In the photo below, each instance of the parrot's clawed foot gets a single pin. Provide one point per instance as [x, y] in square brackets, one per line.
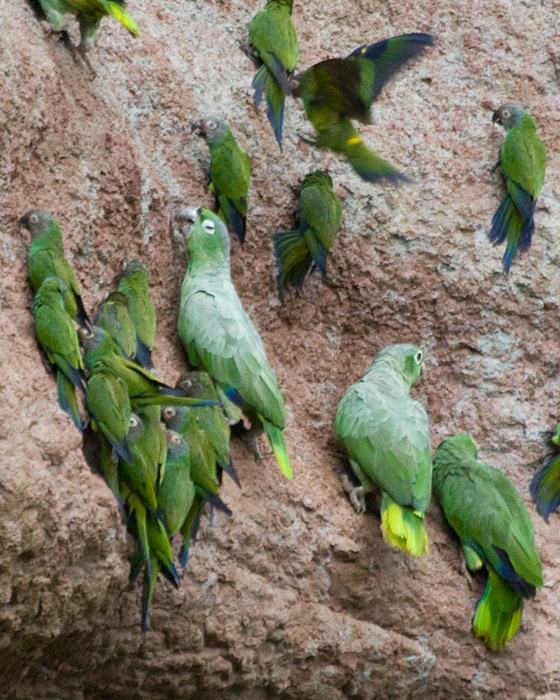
[56, 34]
[252, 443]
[356, 494]
[82, 52]
[463, 570]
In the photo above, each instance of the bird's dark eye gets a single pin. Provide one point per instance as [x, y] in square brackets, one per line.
[168, 412]
[133, 422]
[211, 124]
[418, 357]
[209, 226]
[506, 114]
[176, 440]
[34, 219]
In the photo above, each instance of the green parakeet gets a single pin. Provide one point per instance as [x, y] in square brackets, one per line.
[386, 435]
[230, 173]
[320, 214]
[108, 404]
[489, 516]
[219, 336]
[114, 317]
[545, 485]
[523, 162]
[46, 259]
[275, 42]
[58, 338]
[134, 283]
[340, 89]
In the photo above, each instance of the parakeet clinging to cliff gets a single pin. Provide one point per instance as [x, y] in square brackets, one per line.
[275, 42]
[320, 214]
[114, 317]
[58, 338]
[230, 173]
[523, 162]
[545, 485]
[386, 435]
[220, 337]
[340, 89]
[134, 284]
[46, 259]
[108, 404]
[489, 516]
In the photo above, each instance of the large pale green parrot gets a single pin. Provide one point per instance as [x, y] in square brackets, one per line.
[523, 162]
[230, 173]
[338, 90]
[386, 435]
[219, 336]
[275, 43]
[489, 516]
[134, 284]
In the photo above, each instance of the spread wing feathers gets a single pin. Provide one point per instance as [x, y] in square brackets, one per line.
[220, 336]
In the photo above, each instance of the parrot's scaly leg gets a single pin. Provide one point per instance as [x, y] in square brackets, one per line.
[81, 51]
[357, 494]
[248, 51]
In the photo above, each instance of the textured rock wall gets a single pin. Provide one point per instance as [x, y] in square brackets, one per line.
[296, 596]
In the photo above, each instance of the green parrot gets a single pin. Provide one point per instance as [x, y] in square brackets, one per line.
[340, 89]
[545, 485]
[114, 317]
[58, 338]
[320, 214]
[489, 516]
[108, 404]
[133, 283]
[220, 337]
[230, 173]
[46, 259]
[275, 43]
[523, 162]
[386, 435]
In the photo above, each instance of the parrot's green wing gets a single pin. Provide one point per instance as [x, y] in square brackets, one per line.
[230, 171]
[109, 405]
[523, 157]
[57, 335]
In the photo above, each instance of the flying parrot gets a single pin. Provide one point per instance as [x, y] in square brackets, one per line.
[114, 317]
[219, 336]
[489, 516]
[275, 43]
[58, 338]
[133, 283]
[545, 485]
[46, 259]
[230, 173]
[522, 162]
[320, 214]
[338, 90]
[387, 438]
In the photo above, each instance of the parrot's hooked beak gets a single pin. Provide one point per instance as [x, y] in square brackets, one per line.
[497, 117]
[199, 127]
[190, 213]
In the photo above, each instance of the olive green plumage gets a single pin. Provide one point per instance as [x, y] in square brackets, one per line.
[338, 90]
[320, 214]
[114, 317]
[386, 435]
[490, 518]
[108, 404]
[134, 284]
[523, 164]
[230, 173]
[46, 259]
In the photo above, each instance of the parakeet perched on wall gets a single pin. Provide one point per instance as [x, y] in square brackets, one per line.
[114, 317]
[523, 162]
[489, 516]
[219, 336]
[320, 214]
[108, 404]
[340, 89]
[386, 435]
[275, 42]
[58, 338]
[46, 259]
[134, 284]
[545, 485]
[230, 173]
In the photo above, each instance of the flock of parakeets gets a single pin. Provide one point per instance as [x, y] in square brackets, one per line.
[163, 449]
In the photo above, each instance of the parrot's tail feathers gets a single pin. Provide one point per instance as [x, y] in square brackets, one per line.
[391, 54]
[509, 574]
[143, 355]
[121, 15]
[148, 591]
[499, 612]
[189, 530]
[67, 399]
[275, 99]
[233, 217]
[259, 84]
[136, 561]
[231, 472]
[293, 259]
[508, 223]
[217, 503]
[369, 166]
[139, 512]
[318, 251]
[403, 528]
[121, 448]
[276, 438]
[82, 317]
[545, 488]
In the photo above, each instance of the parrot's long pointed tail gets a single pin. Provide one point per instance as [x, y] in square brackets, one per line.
[189, 529]
[148, 592]
[366, 163]
[403, 528]
[265, 83]
[117, 11]
[293, 259]
[232, 217]
[67, 399]
[143, 355]
[276, 438]
[508, 222]
[545, 488]
[499, 612]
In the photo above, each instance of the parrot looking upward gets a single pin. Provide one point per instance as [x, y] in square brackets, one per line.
[230, 173]
[545, 485]
[340, 89]
[320, 214]
[386, 435]
[133, 283]
[219, 336]
[490, 518]
[46, 259]
[275, 42]
[522, 162]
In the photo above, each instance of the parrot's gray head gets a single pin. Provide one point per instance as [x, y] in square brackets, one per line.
[92, 337]
[131, 267]
[455, 450]
[508, 116]
[406, 360]
[135, 427]
[211, 129]
[192, 383]
[37, 222]
[173, 416]
[176, 444]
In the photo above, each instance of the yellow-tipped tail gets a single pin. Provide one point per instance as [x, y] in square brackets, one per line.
[403, 528]
[276, 438]
[499, 612]
[122, 16]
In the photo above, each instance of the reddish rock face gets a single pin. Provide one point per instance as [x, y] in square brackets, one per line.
[295, 596]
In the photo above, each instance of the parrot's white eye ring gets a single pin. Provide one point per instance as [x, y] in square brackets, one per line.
[211, 124]
[505, 114]
[176, 439]
[169, 412]
[34, 219]
[418, 357]
[209, 226]
[134, 422]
